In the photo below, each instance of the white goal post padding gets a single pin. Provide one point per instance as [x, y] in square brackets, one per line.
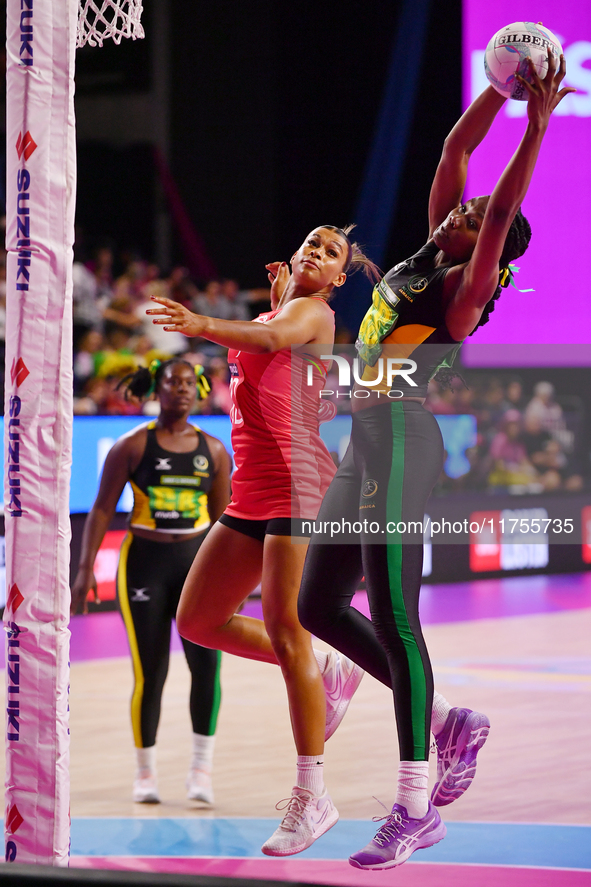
[41, 180]
[42, 36]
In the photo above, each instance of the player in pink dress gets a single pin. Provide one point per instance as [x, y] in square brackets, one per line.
[282, 472]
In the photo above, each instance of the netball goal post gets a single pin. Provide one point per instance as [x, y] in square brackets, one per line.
[42, 36]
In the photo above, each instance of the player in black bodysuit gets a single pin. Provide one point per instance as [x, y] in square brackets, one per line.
[180, 481]
[421, 310]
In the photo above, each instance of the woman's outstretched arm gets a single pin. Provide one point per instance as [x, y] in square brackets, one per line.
[450, 177]
[301, 321]
[479, 278]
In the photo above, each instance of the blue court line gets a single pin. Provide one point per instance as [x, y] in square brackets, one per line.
[484, 843]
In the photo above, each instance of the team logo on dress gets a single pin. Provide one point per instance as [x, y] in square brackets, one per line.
[417, 283]
[369, 489]
[162, 464]
[201, 463]
[139, 594]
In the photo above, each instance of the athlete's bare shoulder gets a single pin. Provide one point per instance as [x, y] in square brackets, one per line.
[217, 450]
[131, 445]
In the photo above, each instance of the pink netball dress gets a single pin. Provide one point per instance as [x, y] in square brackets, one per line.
[283, 468]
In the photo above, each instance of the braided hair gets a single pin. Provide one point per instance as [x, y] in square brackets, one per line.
[516, 243]
[146, 380]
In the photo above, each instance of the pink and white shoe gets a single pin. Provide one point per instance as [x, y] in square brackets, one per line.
[199, 787]
[306, 819]
[341, 677]
[145, 788]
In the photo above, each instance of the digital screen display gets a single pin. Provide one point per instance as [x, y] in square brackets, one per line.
[93, 437]
[556, 265]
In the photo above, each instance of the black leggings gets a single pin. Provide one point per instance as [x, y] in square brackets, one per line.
[394, 458]
[150, 579]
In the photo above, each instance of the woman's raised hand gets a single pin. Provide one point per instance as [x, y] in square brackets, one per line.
[279, 278]
[177, 318]
[544, 94]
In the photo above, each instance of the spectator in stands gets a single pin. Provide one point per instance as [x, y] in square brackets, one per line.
[87, 314]
[85, 359]
[219, 401]
[182, 289]
[127, 296]
[547, 455]
[212, 302]
[544, 407]
[514, 396]
[101, 397]
[508, 454]
[101, 265]
[441, 400]
[237, 300]
[166, 344]
[491, 407]
[116, 358]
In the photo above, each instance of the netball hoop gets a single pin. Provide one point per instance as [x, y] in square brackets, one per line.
[113, 19]
[40, 201]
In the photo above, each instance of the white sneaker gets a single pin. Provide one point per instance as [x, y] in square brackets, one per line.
[199, 786]
[145, 789]
[307, 818]
[341, 677]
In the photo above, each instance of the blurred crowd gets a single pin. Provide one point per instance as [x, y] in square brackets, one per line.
[113, 336]
[522, 439]
[527, 441]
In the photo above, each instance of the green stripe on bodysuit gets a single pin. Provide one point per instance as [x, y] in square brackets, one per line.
[217, 696]
[418, 686]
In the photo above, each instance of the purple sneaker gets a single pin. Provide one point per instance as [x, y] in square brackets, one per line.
[398, 838]
[457, 745]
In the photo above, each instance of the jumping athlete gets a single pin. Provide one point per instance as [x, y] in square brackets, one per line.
[424, 307]
[282, 472]
[180, 480]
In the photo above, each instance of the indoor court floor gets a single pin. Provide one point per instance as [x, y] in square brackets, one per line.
[518, 649]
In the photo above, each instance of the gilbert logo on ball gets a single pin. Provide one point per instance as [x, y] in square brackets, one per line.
[507, 54]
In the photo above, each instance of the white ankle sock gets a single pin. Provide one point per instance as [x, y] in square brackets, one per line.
[439, 713]
[146, 761]
[413, 778]
[202, 755]
[310, 773]
[321, 659]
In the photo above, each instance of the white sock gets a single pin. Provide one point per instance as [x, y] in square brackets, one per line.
[413, 778]
[310, 773]
[321, 659]
[146, 761]
[439, 713]
[202, 756]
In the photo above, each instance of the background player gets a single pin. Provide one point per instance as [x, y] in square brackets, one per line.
[180, 481]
